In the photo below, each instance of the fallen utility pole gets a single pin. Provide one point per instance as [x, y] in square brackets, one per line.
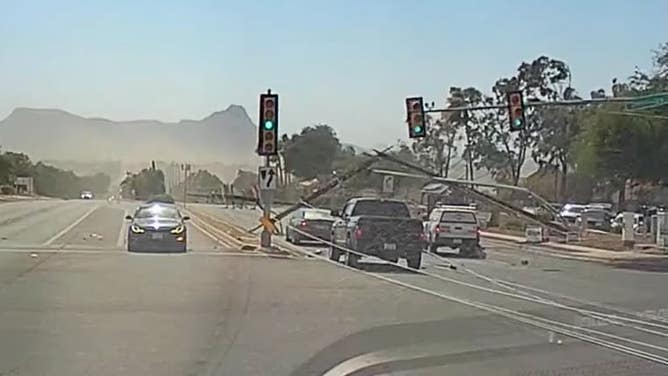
[464, 188]
[575, 102]
[333, 183]
[544, 203]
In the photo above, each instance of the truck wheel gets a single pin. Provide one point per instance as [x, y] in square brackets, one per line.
[414, 260]
[353, 260]
[287, 236]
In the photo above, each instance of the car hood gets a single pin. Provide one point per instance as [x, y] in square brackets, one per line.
[157, 223]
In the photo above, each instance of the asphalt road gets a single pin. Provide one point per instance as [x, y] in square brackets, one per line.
[73, 302]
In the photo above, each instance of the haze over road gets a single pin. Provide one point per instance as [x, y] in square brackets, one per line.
[74, 302]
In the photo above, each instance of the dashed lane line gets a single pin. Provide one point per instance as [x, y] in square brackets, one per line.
[70, 226]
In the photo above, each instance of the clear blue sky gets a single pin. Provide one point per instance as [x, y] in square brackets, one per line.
[348, 63]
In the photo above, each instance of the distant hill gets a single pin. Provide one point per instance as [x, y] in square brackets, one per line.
[227, 136]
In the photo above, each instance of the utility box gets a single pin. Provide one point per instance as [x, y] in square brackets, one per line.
[661, 228]
[627, 229]
[534, 234]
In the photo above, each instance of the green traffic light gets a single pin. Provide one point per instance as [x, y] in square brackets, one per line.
[417, 129]
[268, 125]
[518, 123]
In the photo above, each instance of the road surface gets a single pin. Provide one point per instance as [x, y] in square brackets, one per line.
[73, 302]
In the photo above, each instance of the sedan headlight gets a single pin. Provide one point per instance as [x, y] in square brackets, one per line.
[136, 229]
[178, 229]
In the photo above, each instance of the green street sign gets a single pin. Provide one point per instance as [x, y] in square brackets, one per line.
[648, 101]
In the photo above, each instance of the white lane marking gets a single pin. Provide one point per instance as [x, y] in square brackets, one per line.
[71, 226]
[404, 353]
[533, 320]
[122, 234]
[121, 252]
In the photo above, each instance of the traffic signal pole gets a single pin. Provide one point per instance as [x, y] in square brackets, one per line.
[267, 147]
[267, 198]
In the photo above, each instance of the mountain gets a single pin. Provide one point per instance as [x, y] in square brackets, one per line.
[227, 136]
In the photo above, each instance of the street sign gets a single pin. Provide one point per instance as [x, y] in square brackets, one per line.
[268, 225]
[648, 101]
[388, 184]
[266, 177]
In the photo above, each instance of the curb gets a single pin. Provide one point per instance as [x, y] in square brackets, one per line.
[550, 250]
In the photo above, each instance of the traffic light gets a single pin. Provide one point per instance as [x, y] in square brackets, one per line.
[268, 127]
[516, 110]
[417, 127]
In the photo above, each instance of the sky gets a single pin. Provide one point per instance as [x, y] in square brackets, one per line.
[346, 63]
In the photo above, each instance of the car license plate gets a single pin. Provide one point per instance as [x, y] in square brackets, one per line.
[457, 241]
[156, 236]
[390, 247]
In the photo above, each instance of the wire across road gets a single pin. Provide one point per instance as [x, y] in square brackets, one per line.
[640, 336]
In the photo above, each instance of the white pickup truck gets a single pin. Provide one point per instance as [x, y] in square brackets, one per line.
[455, 228]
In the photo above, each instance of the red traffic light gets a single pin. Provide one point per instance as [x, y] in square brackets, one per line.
[515, 110]
[415, 117]
[269, 102]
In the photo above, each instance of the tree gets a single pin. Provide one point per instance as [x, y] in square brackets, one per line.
[201, 181]
[500, 151]
[503, 152]
[311, 152]
[147, 183]
[616, 149]
[469, 122]
[437, 149]
[558, 128]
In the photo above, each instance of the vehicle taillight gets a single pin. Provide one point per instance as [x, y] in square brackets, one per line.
[440, 228]
[358, 233]
[437, 229]
[303, 224]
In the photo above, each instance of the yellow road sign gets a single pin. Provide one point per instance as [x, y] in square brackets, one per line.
[269, 224]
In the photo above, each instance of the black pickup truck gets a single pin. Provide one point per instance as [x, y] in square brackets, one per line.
[377, 227]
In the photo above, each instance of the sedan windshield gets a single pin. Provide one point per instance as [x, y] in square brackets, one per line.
[157, 211]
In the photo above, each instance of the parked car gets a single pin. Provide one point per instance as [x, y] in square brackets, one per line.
[617, 223]
[596, 218]
[571, 212]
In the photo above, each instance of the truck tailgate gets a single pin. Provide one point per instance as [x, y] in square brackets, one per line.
[381, 230]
